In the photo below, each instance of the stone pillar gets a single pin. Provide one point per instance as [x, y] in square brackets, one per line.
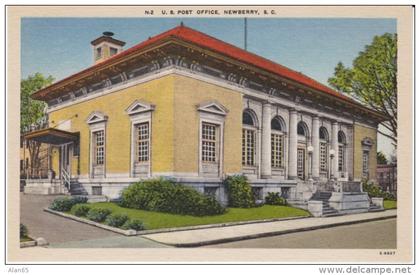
[292, 144]
[266, 142]
[315, 144]
[334, 146]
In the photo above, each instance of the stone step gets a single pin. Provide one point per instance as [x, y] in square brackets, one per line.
[332, 214]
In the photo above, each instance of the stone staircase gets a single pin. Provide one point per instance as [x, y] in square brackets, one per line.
[324, 196]
[76, 189]
[375, 208]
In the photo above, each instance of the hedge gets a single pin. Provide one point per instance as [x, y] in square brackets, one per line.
[64, 204]
[163, 195]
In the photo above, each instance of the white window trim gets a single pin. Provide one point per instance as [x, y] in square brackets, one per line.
[140, 112]
[220, 124]
[208, 114]
[97, 122]
[256, 144]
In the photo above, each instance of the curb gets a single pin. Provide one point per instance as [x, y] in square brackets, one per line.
[273, 233]
[28, 244]
[86, 221]
[165, 230]
[34, 242]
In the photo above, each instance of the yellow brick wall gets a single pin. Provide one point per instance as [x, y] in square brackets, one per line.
[188, 94]
[158, 92]
[361, 132]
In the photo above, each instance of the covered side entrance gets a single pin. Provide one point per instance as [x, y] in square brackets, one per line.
[57, 179]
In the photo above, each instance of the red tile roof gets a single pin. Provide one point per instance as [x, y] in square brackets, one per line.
[203, 40]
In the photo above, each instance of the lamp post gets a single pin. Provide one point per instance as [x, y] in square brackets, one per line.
[332, 153]
[310, 151]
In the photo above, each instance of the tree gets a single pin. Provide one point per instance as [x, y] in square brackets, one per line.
[373, 80]
[32, 111]
[381, 158]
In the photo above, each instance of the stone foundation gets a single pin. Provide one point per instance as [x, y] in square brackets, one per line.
[44, 187]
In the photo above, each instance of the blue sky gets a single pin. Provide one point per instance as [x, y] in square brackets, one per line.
[61, 46]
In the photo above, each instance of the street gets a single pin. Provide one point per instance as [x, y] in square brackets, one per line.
[369, 235]
[65, 233]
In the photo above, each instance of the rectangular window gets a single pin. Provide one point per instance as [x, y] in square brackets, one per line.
[277, 147]
[113, 51]
[210, 191]
[208, 142]
[248, 147]
[142, 142]
[340, 158]
[323, 157]
[98, 53]
[99, 139]
[365, 163]
[97, 190]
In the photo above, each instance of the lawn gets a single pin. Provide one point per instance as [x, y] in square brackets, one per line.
[156, 220]
[390, 204]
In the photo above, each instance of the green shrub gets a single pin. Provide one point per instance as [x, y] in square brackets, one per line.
[134, 224]
[64, 204]
[116, 220]
[23, 231]
[239, 192]
[274, 198]
[374, 190]
[80, 210]
[163, 195]
[79, 199]
[98, 214]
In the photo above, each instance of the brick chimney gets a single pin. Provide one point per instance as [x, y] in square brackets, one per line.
[106, 46]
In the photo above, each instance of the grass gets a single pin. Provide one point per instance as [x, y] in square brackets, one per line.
[156, 220]
[388, 204]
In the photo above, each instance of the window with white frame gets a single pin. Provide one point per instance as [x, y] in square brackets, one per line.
[209, 142]
[248, 139]
[99, 147]
[142, 142]
[212, 115]
[248, 147]
[277, 149]
[140, 114]
[277, 144]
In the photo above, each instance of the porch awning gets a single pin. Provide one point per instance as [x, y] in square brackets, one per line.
[52, 136]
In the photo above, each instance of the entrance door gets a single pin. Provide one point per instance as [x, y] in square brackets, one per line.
[301, 163]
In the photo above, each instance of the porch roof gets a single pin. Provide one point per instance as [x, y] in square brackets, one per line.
[52, 136]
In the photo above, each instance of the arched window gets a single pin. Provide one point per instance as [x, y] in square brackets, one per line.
[301, 129]
[323, 149]
[249, 126]
[341, 151]
[247, 118]
[277, 142]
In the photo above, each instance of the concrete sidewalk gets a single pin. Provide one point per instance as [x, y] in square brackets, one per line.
[200, 237]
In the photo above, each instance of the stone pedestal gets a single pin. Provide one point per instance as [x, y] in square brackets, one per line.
[348, 202]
